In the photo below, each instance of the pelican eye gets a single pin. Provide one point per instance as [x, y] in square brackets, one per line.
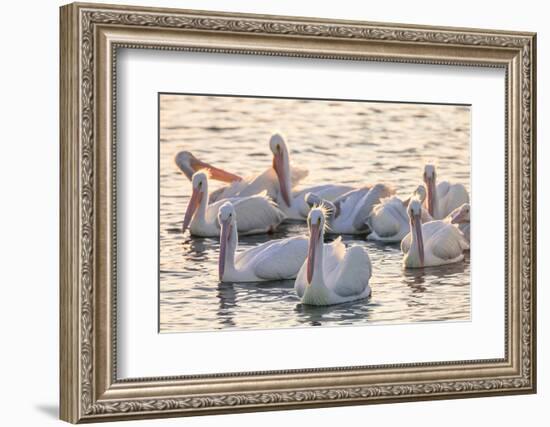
[278, 147]
[318, 220]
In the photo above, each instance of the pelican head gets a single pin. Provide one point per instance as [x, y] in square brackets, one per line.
[200, 181]
[312, 200]
[461, 215]
[415, 209]
[277, 143]
[429, 180]
[329, 208]
[226, 213]
[189, 164]
[228, 220]
[200, 190]
[281, 165]
[420, 193]
[429, 172]
[316, 223]
[415, 212]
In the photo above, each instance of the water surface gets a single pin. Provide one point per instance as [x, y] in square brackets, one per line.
[338, 141]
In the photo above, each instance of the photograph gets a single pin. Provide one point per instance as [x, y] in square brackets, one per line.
[270, 210]
[298, 212]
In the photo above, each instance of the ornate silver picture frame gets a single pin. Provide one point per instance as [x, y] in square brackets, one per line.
[91, 34]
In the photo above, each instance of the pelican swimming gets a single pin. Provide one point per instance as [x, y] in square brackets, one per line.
[257, 214]
[331, 273]
[277, 180]
[293, 203]
[443, 197]
[280, 180]
[274, 260]
[389, 221]
[348, 213]
[299, 208]
[461, 218]
[432, 243]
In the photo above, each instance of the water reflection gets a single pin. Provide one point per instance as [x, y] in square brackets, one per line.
[416, 277]
[381, 142]
[227, 304]
[346, 313]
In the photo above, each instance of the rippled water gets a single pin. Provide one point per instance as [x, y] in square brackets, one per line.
[345, 142]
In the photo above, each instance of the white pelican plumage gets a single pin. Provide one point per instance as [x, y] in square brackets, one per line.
[258, 214]
[348, 214]
[461, 218]
[277, 180]
[433, 243]
[389, 221]
[274, 260]
[292, 203]
[443, 197]
[331, 274]
[299, 208]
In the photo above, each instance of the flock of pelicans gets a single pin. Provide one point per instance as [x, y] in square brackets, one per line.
[433, 225]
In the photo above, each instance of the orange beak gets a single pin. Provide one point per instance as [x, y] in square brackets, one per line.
[214, 172]
[278, 165]
[430, 186]
[314, 235]
[194, 202]
[224, 240]
[417, 225]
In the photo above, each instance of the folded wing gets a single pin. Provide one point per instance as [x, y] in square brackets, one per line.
[281, 260]
[255, 212]
[354, 273]
[445, 241]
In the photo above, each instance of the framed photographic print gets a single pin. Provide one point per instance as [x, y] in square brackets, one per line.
[265, 212]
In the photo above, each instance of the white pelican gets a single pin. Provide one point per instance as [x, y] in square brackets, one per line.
[276, 180]
[444, 197]
[281, 178]
[299, 208]
[433, 243]
[331, 274]
[273, 260]
[389, 221]
[348, 213]
[461, 218]
[258, 214]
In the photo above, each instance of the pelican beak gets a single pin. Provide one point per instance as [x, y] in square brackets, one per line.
[417, 224]
[314, 235]
[194, 202]
[224, 240]
[278, 165]
[458, 217]
[430, 186]
[214, 172]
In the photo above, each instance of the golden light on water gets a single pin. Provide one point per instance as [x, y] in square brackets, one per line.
[341, 142]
